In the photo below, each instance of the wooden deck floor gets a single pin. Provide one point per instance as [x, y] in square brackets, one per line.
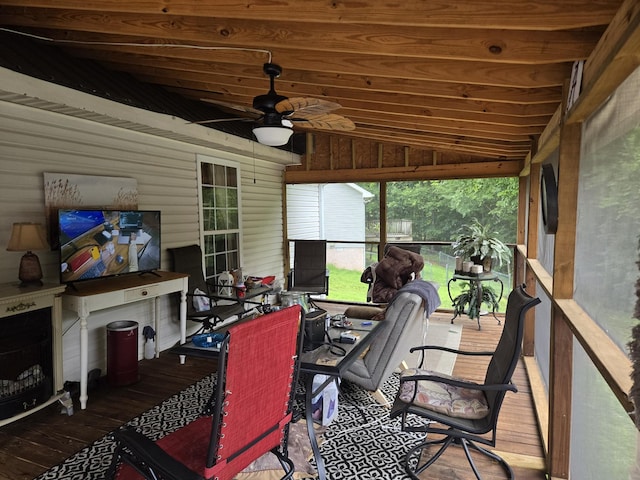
[32, 445]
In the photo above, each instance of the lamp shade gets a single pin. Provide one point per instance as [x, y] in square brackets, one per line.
[27, 237]
[273, 136]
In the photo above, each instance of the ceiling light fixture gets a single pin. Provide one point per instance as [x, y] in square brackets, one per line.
[273, 136]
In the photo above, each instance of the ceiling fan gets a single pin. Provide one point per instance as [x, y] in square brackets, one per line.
[276, 114]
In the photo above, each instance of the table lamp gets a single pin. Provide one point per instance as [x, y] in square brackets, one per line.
[28, 236]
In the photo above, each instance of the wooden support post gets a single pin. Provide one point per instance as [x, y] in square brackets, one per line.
[383, 219]
[560, 365]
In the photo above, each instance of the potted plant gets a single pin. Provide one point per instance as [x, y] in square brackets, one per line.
[467, 302]
[481, 245]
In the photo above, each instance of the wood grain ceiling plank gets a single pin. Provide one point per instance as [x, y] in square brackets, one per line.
[438, 126]
[503, 75]
[301, 81]
[481, 129]
[481, 44]
[507, 14]
[249, 88]
[487, 145]
[243, 64]
[438, 146]
[438, 142]
[417, 109]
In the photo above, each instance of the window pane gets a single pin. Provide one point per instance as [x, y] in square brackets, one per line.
[221, 263]
[221, 249]
[221, 220]
[603, 437]
[208, 217]
[233, 219]
[608, 222]
[209, 265]
[220, 176]
[208, 243]
[220, 245]
[232, 198]
[221, 197]
[207, 197]
[206, 171]
[232, 241]
[232, 176]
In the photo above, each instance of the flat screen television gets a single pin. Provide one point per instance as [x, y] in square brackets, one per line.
[104, 243]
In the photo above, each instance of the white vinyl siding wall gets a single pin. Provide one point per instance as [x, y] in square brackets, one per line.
[34, 141]
[303, 212]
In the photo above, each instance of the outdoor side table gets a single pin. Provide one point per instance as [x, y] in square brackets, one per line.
[476, 283]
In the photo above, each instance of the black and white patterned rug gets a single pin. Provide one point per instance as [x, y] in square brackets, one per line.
[361, 443]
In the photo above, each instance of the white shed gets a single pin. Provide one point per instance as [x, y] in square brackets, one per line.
[332, 211]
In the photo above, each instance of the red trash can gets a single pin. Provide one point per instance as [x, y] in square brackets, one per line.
[122, 353]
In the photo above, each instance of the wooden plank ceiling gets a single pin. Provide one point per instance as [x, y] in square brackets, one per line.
[468, 78]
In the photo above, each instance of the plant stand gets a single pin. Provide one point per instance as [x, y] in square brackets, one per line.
[473, 298]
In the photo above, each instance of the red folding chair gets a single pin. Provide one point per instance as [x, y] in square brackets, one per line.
[252, 409]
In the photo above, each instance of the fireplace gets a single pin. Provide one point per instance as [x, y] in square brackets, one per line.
[26, 361]
[30, 349]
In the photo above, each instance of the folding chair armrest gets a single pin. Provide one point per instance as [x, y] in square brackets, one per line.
[446, 349]
[146, 450]
[460, 383]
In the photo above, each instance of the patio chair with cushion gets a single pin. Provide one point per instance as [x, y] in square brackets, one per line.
[460, 410]
[249, 412]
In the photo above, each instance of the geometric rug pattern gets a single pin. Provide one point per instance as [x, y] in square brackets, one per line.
[92, 462]
[361, 443]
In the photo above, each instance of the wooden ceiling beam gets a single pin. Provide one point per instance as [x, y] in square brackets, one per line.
[245, 89]
[487, 45]
[437, 128]
[436, 143]
[502, 75]
[410, 111]
[247, 65]
[397, 174]
[535, 100]
[502, 14]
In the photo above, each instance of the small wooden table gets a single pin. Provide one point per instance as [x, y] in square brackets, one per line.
[87, 297]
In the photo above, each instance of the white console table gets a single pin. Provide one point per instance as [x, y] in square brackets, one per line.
[87, 297]
[16, 300]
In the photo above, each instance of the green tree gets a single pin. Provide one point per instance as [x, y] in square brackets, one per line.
[437, 208]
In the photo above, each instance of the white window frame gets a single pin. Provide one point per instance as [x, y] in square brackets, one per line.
[204, 234]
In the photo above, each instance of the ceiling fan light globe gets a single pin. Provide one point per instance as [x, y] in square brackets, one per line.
[273, 136]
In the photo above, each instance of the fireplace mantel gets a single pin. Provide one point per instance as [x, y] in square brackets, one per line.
[15, 300]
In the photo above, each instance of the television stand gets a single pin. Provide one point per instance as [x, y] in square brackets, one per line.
[87, 297]
[150, 272]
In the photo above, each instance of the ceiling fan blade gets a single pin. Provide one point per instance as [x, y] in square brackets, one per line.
[219, 120]
[234, 106]
[306, 106]
[328, 121]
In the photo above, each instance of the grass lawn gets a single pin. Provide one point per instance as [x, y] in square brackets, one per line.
[345, 285]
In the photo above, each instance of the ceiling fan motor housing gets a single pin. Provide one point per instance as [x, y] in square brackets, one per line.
[267, 103]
